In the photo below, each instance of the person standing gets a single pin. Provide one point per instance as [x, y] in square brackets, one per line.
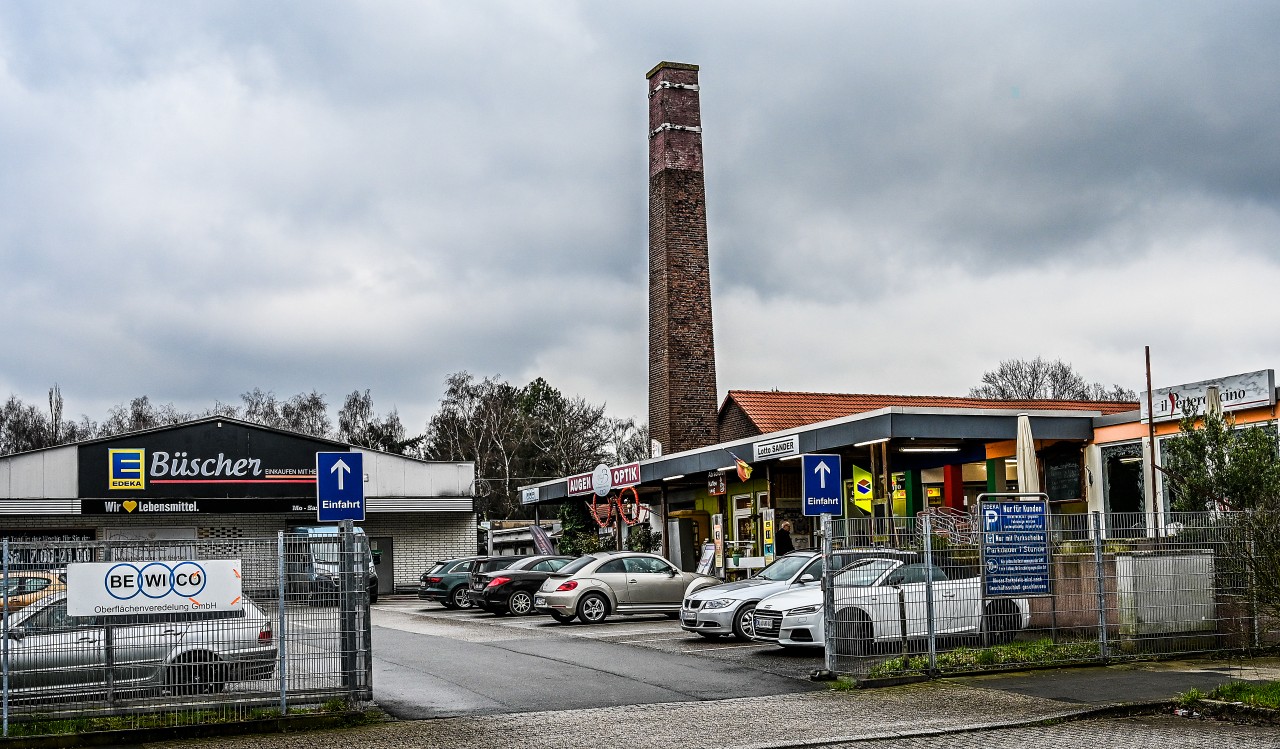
[782, 541]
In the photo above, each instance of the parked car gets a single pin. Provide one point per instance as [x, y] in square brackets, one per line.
[52, 653]
[875, 598]
[313, 559]
[625, 582]
[25, 588]
[484, 565]
[510, 590]
[729, 608]
[447, 581]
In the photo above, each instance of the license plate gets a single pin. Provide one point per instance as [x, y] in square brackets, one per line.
[764, 625]
[539, 601]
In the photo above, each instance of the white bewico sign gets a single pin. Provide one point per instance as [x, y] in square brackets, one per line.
[1237, 393]
[154, 587]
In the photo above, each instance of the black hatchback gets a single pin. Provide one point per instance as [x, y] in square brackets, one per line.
[509, 589]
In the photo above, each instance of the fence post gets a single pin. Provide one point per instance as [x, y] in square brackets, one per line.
[366, 621]
[928, 595]
[282, 666]
[347, 609]
[828, 594]
[4, 642]
[1100, 574]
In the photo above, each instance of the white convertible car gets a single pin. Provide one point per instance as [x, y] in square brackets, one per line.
[876, 598]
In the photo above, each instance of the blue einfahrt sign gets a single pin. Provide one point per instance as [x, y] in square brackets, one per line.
[339, 487]
[1015, 549]
[821, 485]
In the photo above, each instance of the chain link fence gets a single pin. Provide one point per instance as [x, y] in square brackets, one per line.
[1116, 589]
[299, 634]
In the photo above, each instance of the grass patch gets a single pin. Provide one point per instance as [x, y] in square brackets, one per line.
[146, 721]
[1252, 693]
[1035, 653]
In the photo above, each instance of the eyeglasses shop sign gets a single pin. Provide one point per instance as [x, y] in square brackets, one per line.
[154, 587]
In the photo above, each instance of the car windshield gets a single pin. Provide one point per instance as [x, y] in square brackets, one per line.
[576, 565]
[784, 568]
[863, 573]
[326, 552]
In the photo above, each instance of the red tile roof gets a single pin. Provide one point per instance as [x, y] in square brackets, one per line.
[772, 410]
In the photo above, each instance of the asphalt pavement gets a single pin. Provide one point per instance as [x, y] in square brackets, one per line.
[1060, 707]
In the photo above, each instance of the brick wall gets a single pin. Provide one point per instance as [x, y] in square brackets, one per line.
[734, 423]
[682, 372]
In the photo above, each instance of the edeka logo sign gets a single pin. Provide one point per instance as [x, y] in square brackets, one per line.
[124, 469]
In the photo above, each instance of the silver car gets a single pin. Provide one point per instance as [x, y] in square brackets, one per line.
[52, 653]
[626, 582]
[728, 608]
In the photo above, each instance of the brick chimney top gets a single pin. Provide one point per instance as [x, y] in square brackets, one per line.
[671, 66]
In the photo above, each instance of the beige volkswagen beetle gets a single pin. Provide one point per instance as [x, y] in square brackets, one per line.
[594, 586]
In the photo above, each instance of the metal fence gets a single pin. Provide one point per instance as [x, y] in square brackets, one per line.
[299, 636]
[1116, 590]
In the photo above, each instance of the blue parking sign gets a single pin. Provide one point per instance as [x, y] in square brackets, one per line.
[821, 485]
[339, 487]
[1015, 548]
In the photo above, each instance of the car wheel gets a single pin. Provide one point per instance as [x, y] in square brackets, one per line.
[1000, 623]
[194, 676]
[851, 633]
[459, 597]
[562, 618]
[520, 603]
[593, 608]
[744, 624]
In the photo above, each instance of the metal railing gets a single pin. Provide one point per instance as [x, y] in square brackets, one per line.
[299, 635]
[1116, 590]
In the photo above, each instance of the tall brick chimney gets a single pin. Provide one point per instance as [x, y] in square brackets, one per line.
[682, 354]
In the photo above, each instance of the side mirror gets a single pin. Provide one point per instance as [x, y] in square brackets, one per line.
[671, 572]
[377, 557]
[17, 632]
[806, 578]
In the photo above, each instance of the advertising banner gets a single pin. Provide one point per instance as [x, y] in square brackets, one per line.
[153, 587]
[207, 460]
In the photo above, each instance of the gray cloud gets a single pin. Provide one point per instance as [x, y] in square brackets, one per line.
[202, 199]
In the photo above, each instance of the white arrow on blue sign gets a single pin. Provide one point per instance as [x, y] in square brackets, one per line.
[339, 487]
[821, 485]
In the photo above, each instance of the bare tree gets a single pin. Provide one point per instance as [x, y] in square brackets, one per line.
[1038, 378]
[140, 413]
[358, 424]
[306, 413]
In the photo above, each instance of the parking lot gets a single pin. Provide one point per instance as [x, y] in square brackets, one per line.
[434, 662]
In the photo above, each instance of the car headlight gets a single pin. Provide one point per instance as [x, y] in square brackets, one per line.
[805, 610]
[718, 603]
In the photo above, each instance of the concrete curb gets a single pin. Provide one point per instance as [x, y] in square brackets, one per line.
[1088, 713]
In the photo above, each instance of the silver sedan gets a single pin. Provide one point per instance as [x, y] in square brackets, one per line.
[54, 653]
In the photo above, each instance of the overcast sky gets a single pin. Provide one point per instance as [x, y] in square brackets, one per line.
[197, 199]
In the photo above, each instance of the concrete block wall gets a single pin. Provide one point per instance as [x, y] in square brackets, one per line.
[418, 537]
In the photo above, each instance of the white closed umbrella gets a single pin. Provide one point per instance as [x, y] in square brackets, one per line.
[1213, 401]
[1028, 473]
